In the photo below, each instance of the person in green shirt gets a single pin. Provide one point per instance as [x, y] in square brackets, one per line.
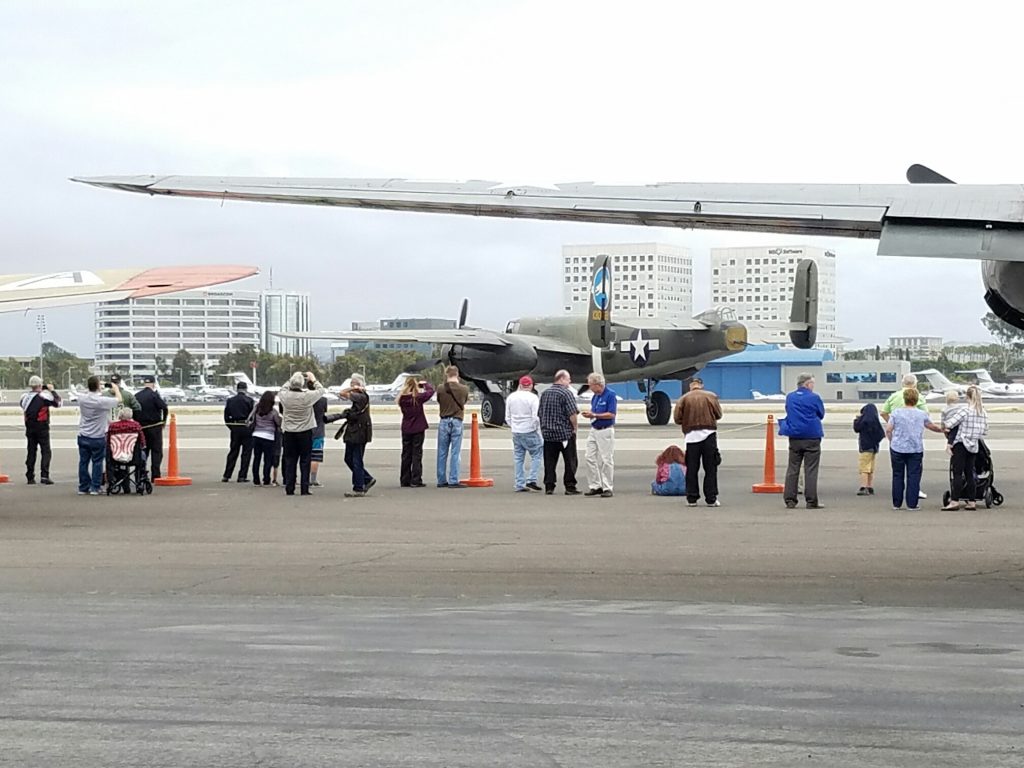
[895, 400]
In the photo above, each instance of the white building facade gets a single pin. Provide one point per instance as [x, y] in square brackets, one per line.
[758, 283]
[648, 279]
[132, 333]
[920, 347]
[284, 312]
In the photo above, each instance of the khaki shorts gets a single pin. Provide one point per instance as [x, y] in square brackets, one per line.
[866, 462]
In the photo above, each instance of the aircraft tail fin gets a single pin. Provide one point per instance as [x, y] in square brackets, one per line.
[238, 376]
[981, 374]
[599, 307]
[805, 305]
[937, 379]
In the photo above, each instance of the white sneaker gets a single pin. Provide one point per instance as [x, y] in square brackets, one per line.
[922, 495]
[715, 503]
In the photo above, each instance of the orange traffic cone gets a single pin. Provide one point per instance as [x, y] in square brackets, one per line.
[171, 478]
[476, 479]
[769, 485]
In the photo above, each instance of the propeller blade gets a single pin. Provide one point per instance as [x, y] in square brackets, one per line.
[464, 313]
[422, 365]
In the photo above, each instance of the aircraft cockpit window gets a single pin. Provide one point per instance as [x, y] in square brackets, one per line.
[512, 327]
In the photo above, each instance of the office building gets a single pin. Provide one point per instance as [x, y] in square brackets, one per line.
[648, 279]
[919, 347]
[399, 323]
[758, 284]
[132, 333]
[284, 312]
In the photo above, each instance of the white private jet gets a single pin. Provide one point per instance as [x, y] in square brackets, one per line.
[377, 391]
[759, 396]
[989, 386]
[939, 383]
[208, 393]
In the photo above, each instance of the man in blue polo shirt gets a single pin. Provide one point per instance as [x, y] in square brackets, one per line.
[802, 425]
[601, 440]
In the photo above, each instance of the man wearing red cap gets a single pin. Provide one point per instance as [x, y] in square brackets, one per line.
[521, 409]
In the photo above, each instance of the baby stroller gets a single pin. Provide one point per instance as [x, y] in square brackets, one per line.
[984, 479]
[126, 466]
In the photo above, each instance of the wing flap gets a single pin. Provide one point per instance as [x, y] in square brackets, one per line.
[471, 336]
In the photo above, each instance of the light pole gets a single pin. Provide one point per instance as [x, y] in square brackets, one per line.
[41, 327]
[181, 377]
[68, 374]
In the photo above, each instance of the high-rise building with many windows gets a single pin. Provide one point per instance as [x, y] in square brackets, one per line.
[132, 333]
[648, 279]
[758, 284]
[284, 312]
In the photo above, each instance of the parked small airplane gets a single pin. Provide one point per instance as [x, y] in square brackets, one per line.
[207, 392]
[253, 389]
[939, 383]
[635, 349]
[990, 387]
[931, 217]
[758, 396]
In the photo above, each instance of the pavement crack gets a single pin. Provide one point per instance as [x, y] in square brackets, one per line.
[1016, 569]
[361, 561]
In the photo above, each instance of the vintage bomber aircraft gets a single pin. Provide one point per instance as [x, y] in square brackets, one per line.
[637, 349]
[932, 217]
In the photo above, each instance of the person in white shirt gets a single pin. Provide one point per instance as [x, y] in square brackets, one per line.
[521, 410]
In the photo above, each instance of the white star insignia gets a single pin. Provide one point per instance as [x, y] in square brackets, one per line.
[640, 348]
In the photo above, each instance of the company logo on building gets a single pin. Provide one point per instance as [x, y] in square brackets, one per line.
[785, 251]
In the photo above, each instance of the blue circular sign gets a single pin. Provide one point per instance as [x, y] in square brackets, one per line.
[601, 279]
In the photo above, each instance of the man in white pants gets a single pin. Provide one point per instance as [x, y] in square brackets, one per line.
[601, 440]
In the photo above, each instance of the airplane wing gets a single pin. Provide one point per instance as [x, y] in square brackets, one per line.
[908, 219]
[474, 336]
[60, 289]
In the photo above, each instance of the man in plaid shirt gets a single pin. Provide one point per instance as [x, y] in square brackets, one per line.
[558, 414]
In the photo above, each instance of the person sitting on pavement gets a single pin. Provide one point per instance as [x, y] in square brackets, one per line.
[869, 436]
[35, 406]
[805, 411]
[670, 476]
[522, 408]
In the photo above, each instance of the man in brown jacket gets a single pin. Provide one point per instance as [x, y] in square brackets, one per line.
[698, 412]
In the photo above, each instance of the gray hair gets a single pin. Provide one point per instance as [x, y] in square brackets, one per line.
[952, 396]
[297, 381]
[595, 378]
[358, 380]
[909, 380]
[803, 378]
[562, 374]
[35, 381]
[125, 413]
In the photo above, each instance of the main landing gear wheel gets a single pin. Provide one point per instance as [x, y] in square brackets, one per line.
[492, 410]
[659, 409]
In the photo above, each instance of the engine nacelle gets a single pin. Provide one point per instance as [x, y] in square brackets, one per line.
[503, 364]
[1004, 290]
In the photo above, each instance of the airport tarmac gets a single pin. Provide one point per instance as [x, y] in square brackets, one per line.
[226, 624]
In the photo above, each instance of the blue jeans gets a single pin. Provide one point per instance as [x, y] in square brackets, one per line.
[523, 443]
[910, 465]
[449, 439]
[90, 449]
[354, 454]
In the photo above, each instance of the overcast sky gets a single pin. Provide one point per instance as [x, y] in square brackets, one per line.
[537, 92]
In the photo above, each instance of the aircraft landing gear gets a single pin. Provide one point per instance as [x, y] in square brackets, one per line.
[492, 410]
[659, 405]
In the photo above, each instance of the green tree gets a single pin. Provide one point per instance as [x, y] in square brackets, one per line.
[60, 367]
[183, 367]
[1010, 339]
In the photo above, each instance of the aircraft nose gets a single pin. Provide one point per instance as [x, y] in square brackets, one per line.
[736, 338]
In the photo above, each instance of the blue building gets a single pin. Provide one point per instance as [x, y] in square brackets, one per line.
[763, 368]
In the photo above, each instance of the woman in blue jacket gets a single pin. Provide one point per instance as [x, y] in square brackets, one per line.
[869, 436]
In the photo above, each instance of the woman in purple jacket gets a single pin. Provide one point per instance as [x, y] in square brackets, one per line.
[414, 426]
